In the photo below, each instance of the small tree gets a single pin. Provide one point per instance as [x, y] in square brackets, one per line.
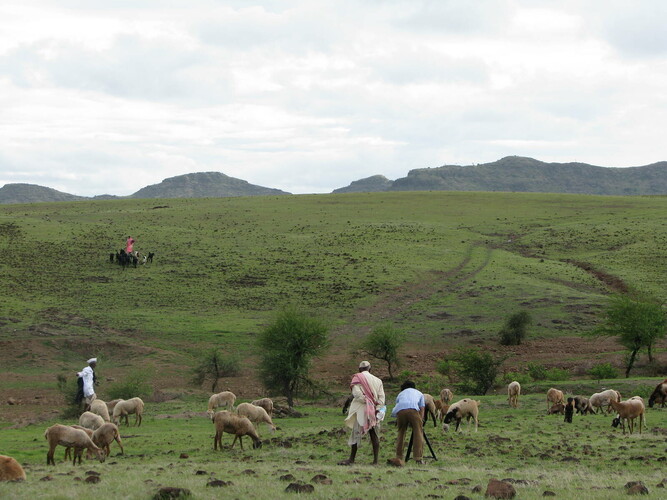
[477, 369]
[515, 328]
[213, 366]
[287, 346]
[637, 324]
[383, 343]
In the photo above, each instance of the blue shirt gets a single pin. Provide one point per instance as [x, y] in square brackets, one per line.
[409, 399]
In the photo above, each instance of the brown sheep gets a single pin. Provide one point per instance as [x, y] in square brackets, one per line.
[554, 397]
[105, 435]
[225, 421]
[65, 435]
[10, 469]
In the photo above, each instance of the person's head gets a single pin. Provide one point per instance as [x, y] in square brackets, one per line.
[408, 384]
[92, 362]
[364, 366]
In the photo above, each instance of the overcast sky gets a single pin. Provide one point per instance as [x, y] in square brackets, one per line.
[307, 96]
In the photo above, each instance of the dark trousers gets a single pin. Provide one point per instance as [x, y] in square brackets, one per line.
[410, 418]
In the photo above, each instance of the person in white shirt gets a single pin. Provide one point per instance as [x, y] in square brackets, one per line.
[88, 377]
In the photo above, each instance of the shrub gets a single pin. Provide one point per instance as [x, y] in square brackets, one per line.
[515, 328]
[407, 375]
[522, 378]
[603, 371]
[537, 372]
[557, 374]
[383, 343]
[448, 368]
[134, 385]
[68, 388]
[477, 369]
[214, 365]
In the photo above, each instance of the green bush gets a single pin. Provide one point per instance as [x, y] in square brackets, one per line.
[383, 343]
[214, 365]
[68, 388]
[603, 371]
[557, 374]
[448, 368]
[537, 372]
[477, 370]
[522, 378]
[515, 328]
[407, 375]
[134, 385]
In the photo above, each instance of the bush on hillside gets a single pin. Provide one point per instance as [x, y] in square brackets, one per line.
[515, 329]
[68, 388]
[522, 378]
[557, 374]
[478, 370]
[213, 366]
[603, 371]
[134, 385]
[383, 343]
[537, 371]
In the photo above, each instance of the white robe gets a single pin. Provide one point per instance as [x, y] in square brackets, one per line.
[87, 375]
[357, 411]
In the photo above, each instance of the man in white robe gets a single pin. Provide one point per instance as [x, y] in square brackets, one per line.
[364, 414]
[88, 376]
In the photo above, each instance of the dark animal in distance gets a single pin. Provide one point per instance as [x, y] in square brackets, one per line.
[659, 395]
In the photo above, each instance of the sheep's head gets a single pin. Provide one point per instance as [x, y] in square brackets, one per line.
[256, 444]
[616, 422]
[101, 455]
[452, 415]
[651, 401]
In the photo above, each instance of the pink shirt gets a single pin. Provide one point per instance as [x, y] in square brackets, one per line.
[130, 243]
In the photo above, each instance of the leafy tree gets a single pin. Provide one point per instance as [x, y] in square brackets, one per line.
[213, 366]
[515, 328]
[383, 343]
[637, 324]
[477, 369]
[286, 347]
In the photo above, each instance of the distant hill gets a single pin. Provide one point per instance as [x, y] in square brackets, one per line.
[516, 173]
[368, 185]
[32, 193]
[196, 185]
[203, 185]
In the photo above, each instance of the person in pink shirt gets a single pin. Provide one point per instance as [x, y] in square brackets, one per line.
[130, 244]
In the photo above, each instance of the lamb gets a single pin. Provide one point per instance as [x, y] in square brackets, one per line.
[265, 403]
[446, 395]
[629, 410]
[226, 421]
[255, 414]
[659, 395]
[10, 469]
[225, 399]
[100, 408]
[67, 436]
[90, 420]
[554, 397]
[558, 408]
[128, 407]
[604, 398]
[464, 408]
[105, 435]
[513, 393]
[582, 405]
[430, 408]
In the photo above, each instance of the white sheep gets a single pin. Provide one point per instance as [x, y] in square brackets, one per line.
[65, 435]
[224, 399]
[604, 398]
[464, 408]
[100, 408]
[90, 420]
[266, 403]
[446, 395]
[513, 393]
[128, 407]
[105, 435]
[225, 421]
[112, 404]
[628, 411]
[554, 397]
[68, 449]
[10, 469]
[256, 414]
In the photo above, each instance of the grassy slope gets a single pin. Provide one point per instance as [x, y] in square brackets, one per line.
[446, 267]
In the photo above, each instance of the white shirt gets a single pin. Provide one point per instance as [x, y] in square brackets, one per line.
[87, 375]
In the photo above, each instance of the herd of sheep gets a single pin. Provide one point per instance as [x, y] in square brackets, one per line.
[98, 427]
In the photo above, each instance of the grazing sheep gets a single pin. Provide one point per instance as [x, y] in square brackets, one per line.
[446, 395]
[266, 403]
[554, 397]
[68, 449]
[628, 411]
[430, 408]
[10, 469]
[106, 435]
[659, 395]
[100, 408]
[582, 405]
[559, 408]
[65, 435]
[111, 405]
[464, 408]
[440, 410]
[225, 421]
[604, 398]
[128, 407]
[513, 393]
[255, 414]
[90, 420]
[225, 399]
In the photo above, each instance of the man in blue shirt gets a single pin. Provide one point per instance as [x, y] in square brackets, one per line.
[409, 412]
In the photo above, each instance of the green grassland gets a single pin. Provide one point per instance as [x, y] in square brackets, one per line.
[586, 459]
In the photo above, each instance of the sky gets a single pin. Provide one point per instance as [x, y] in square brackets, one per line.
[106, 97]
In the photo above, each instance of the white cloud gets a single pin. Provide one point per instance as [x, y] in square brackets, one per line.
[310, 95]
